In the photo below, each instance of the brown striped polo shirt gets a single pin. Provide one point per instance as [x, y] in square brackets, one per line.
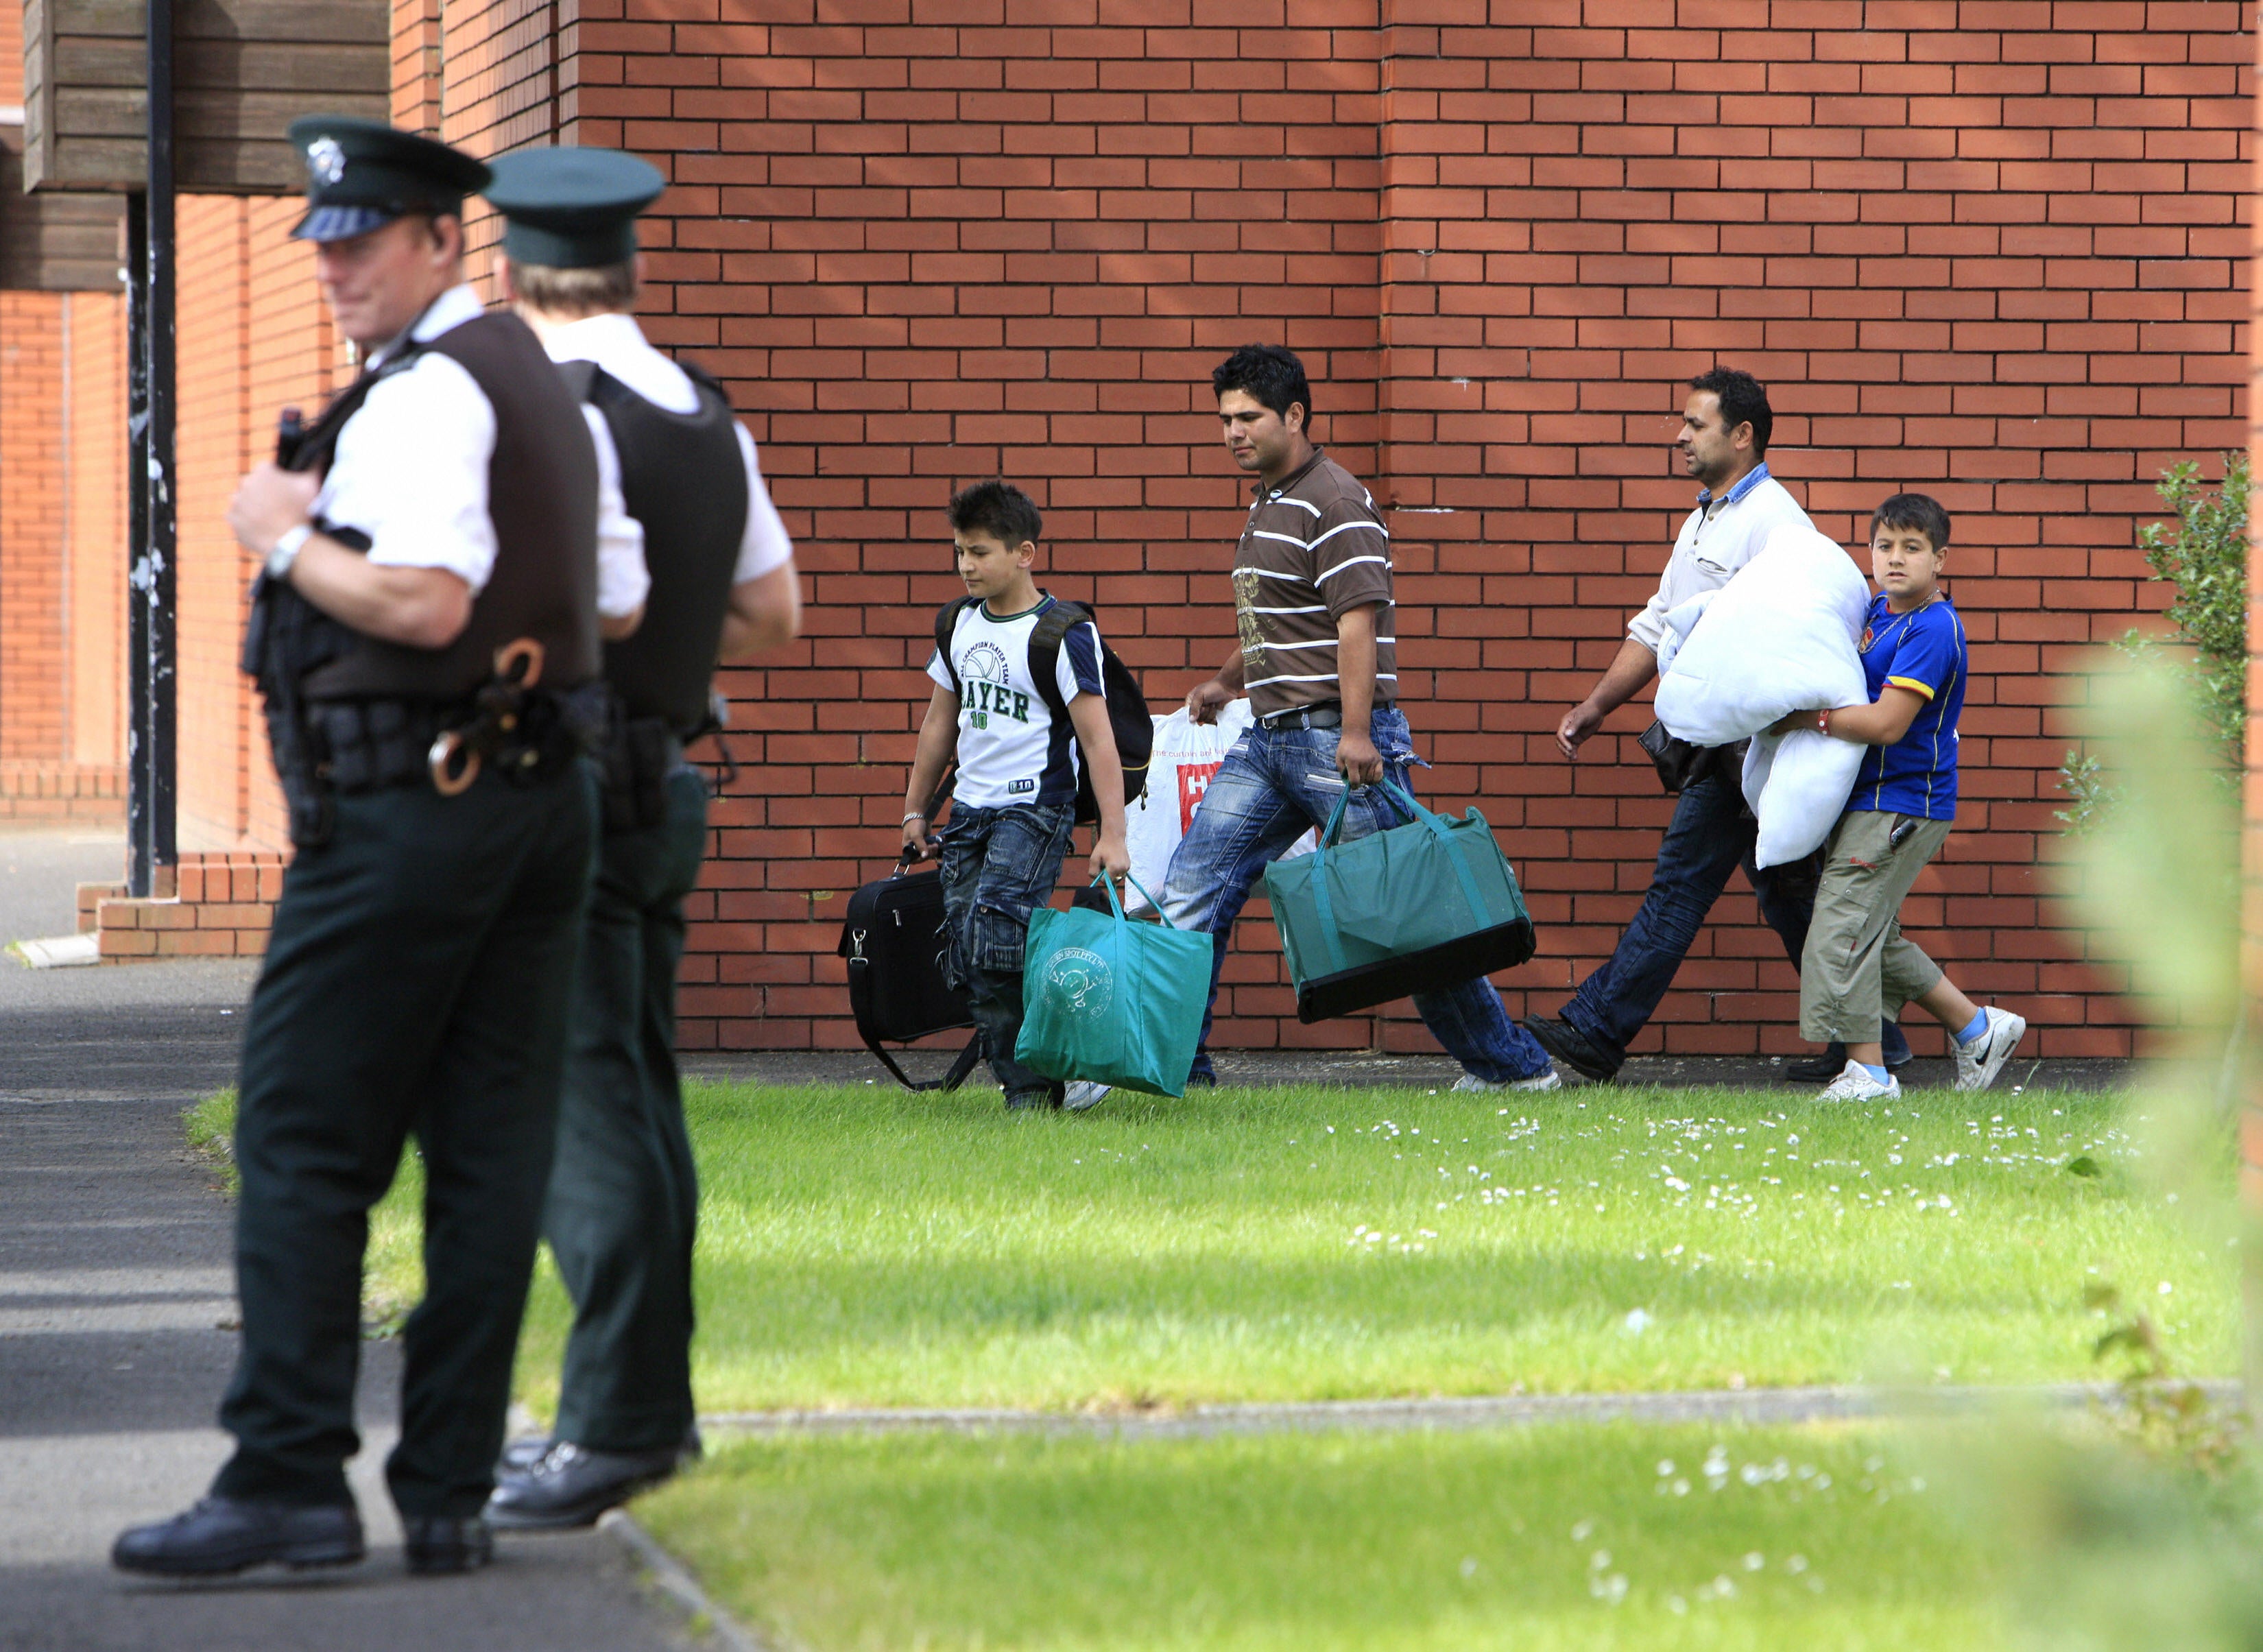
[1315, 548]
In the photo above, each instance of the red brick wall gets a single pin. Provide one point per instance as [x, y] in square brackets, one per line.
[260, 341]
[95, 519]
[33, 620]
[1992, 250]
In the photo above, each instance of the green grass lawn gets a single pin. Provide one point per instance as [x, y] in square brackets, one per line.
[1562, 1536]
[865, 1246]
[861, 1246]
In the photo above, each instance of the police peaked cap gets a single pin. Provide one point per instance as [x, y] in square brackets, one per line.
[362, 174]
[572, 208]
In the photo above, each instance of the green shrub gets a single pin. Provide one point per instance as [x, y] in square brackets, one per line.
[2203, 554]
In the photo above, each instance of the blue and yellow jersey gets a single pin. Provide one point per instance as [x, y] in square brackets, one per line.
[1922, 650]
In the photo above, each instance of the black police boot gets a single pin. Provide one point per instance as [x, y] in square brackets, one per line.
[527, 1449]
[221, 1535]
[1572, 1048]
[572, 1486]
[438, 1544]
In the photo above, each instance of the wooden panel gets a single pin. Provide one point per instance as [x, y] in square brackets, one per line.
[56, 240]
[243, 70]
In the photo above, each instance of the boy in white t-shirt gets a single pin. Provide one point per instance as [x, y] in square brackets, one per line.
[1014, 798]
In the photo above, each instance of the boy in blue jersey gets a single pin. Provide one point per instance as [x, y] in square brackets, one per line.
[1014, 798]
[1858, 965]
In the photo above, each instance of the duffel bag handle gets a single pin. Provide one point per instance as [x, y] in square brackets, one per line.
[1324, 906]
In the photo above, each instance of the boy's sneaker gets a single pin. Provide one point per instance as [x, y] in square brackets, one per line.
[1978, 1063]
[1856, 1084]
[1470, 1083]
[1082, 1094]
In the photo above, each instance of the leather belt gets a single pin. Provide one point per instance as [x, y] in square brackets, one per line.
[1328, 716]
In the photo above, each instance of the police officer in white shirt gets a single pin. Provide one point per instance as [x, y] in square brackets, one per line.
[1724, 441]
[426, 639]
[623, 1193]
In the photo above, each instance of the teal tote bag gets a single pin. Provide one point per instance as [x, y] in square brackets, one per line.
[1418, 908]
[1113, 1001]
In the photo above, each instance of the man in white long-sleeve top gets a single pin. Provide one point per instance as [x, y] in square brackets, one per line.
[1723, 441]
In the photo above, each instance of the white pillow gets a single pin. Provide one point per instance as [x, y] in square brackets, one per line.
[1781, 636]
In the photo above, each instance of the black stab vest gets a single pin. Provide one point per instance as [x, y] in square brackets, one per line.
[684, 478]
[542, 497]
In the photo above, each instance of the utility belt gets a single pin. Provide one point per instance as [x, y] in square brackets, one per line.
[368, 745]
[634, 761]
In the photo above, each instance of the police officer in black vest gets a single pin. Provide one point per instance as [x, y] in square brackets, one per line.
[426, 637]
[623, 1192]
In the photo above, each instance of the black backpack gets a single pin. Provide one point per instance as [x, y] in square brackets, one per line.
[1128, 716]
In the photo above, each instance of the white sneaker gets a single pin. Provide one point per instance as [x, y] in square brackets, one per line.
[1978, 1063]
[1081, 1093]
[1856, 1084]
[1470, 1083]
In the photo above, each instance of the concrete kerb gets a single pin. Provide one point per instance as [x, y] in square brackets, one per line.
[666, 1574]
[1749, 1406]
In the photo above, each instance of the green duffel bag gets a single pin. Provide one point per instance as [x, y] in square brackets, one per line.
[1416, 909]
[1106, 999]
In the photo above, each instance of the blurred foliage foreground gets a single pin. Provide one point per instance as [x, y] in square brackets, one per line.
[2149, 1532]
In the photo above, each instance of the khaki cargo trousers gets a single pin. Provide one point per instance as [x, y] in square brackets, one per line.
[1857, 968]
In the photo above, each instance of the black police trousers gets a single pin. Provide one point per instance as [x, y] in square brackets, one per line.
[624, 1192]
[417, 979]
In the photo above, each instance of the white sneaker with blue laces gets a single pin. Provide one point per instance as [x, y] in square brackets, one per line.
[1978, 1063]
[1081, 1094]
[1856, 1084]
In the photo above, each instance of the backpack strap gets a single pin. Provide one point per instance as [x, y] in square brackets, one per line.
[960, 1067]
[946, 626]
[1045, 640]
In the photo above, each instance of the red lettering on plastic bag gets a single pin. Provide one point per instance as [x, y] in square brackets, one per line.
[1194, 780]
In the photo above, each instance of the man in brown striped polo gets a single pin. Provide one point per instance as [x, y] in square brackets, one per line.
[1316, 655]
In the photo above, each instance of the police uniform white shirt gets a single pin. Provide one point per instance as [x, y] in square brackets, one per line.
[615, 343]
[410, 470]
[1722, 533]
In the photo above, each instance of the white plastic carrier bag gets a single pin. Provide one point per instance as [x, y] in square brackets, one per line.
[1188, 755]
[1782, 636]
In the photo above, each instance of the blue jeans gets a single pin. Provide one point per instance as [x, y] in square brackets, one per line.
[1712, 834]
[1273, 785]
[999, 866]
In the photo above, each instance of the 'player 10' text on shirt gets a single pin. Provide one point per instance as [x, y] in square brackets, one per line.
[1011, 746]
[1922, 650]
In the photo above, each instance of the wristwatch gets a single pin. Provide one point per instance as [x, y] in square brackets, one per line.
[287, 550]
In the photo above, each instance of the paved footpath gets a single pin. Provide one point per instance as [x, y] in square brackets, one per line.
[116, 1312]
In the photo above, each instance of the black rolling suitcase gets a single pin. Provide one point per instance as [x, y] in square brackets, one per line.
[894, 943]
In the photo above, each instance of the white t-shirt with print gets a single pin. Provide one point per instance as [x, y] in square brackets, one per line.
[1011, 748]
